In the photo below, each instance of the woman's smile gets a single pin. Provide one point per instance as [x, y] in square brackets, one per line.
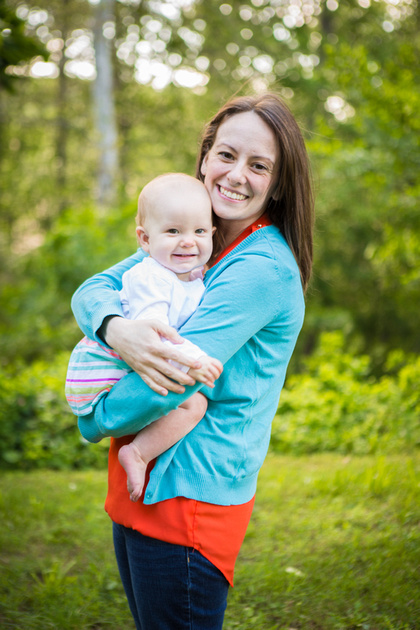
[231, 194]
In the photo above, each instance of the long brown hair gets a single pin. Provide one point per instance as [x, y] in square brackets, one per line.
[291, 204]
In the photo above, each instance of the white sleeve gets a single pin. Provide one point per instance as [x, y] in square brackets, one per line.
[146, 295]
[187, 348]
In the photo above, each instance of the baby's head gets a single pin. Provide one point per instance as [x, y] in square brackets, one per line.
[174, 222]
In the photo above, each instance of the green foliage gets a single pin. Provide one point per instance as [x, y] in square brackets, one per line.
[38, 321]
[367, 242]
[37, 428]
[337, 405]
[333, 544]
[15, 45]
[365, 157]
[365, 154]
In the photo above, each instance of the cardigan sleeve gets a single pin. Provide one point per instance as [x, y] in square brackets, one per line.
[243, 297]
[98, 297]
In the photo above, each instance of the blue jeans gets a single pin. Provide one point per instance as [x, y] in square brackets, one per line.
[169, 587]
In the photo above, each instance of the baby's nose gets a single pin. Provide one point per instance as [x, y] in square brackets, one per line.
[187, 241]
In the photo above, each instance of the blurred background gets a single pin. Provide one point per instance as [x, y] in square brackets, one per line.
[97, 97]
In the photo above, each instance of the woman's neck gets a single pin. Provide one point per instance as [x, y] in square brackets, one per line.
[231, 230]
[226, 234]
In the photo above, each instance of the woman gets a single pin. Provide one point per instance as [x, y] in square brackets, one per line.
[177, 548]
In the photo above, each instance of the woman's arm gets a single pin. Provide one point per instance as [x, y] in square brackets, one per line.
[97, 308]
[250, 293]
[98, 297]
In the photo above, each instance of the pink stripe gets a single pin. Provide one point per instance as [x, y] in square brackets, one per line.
[92, 380]
[82, 398]
[88, 342]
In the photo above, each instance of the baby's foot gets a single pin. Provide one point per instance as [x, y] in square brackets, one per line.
[134, 465]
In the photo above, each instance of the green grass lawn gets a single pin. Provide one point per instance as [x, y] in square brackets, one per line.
[334, 544]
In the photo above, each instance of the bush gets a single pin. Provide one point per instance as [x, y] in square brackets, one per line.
[37, 427]
[336, 405]
[36, 321]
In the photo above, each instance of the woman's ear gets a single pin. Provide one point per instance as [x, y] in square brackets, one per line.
[275, 193]
[203, 167]
[142, 238]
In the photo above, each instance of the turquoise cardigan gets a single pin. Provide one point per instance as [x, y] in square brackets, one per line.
[249, 318]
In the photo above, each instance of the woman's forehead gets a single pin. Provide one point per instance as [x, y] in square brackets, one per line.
[247, 129]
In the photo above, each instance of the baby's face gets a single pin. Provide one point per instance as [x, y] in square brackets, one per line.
[178, 230]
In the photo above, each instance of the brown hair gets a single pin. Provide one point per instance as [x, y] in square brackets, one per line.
[291, 205]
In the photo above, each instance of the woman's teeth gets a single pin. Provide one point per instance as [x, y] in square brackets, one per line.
[232, 195]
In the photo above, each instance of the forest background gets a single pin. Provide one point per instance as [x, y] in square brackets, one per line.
[96, 98]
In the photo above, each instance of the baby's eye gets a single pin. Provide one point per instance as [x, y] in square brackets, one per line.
[172, 231]
[200, 231]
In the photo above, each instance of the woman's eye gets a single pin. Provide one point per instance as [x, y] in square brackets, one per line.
[226, 155]
[260, 167]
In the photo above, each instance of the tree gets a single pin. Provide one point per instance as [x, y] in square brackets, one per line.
[368, 241]
[103, 105]
[348, 71]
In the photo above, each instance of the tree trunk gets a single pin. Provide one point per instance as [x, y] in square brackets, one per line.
[62, 117]
[104, 110]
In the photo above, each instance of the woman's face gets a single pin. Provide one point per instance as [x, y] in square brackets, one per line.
[239, 169]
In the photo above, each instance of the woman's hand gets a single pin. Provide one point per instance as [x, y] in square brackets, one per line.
[139, 343]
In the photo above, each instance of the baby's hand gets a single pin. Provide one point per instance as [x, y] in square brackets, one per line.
[209, 371]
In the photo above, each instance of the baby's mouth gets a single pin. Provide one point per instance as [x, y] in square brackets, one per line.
[185, 255]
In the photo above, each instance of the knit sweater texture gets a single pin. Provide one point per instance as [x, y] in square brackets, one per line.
[249, 318]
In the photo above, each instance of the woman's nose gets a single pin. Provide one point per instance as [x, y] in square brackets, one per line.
[236, 174]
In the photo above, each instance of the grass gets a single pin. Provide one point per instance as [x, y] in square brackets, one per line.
[334, 544]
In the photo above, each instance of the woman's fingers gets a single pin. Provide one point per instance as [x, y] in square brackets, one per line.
[139, 343]
[157, 384]
[160, 382]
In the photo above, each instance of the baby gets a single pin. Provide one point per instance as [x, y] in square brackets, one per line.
[174, 226]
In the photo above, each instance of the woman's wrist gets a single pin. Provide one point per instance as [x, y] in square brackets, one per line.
[105, 331]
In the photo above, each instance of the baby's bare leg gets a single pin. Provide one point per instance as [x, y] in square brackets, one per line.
[156, 438]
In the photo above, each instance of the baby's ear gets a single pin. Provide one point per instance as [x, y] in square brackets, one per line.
[214, 228]
[142, 238]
